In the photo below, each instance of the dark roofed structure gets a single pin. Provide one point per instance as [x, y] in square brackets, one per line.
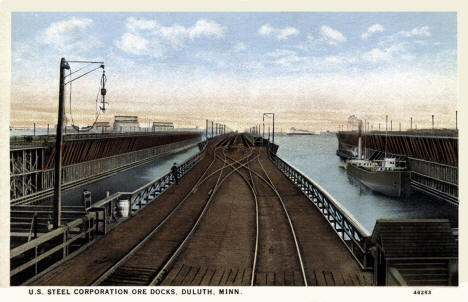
[410, 238]
[415, 252]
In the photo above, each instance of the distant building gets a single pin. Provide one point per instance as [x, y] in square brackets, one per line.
[163, 126]
[125, 123]
[101, 126]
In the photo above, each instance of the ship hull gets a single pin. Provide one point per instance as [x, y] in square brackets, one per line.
[389, 183]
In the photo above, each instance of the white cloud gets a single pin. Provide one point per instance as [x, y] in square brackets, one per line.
[377, 55]
[372, 30]
[132, 43]
[265, 30]
[279, 33]
[153, 39]
[134, 24]
[422, 31]
[70, 35]
[332, 36]
[286, 32]
[178, 34]
[206, 28]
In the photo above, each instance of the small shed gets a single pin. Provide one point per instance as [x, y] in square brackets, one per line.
[414, 252]
[163, 126]
[126, 123]
[102, 126]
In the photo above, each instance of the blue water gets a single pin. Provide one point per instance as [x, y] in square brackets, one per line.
[316, 157]
[129, 180]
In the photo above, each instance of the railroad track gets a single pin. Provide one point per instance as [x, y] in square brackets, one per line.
[269, 184]
[123, 272]
[188, 269]
[182, 271]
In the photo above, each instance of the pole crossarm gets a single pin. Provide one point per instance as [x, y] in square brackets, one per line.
[102, 66]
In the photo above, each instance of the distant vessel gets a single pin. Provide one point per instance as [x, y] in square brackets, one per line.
[294, 131]
[387, 176]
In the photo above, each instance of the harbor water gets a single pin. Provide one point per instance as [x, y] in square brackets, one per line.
[315, 155]
[128, 180]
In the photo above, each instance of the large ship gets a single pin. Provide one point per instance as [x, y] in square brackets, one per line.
[387, 176]
[294, 131]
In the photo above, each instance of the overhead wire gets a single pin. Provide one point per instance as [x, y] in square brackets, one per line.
[102, 84]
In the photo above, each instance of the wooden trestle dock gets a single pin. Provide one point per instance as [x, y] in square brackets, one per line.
[239, 216]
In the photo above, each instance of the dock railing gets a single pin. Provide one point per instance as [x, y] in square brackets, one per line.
[38, 256]
[355, 237]
[142, 196]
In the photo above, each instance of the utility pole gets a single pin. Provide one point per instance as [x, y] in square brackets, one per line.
[273, 128]
[411, 123]
[433, 122]
[211, 128]
[386, 123]
[58, 148]
[206, 130]
[64, 65]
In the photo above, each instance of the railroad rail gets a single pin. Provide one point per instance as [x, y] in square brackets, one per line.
[349, 230]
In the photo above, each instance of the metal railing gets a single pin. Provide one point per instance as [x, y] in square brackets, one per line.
[49, 250]
[355, 237]
[142, 196]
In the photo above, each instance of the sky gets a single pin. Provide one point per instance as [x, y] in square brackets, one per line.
[313, 70]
